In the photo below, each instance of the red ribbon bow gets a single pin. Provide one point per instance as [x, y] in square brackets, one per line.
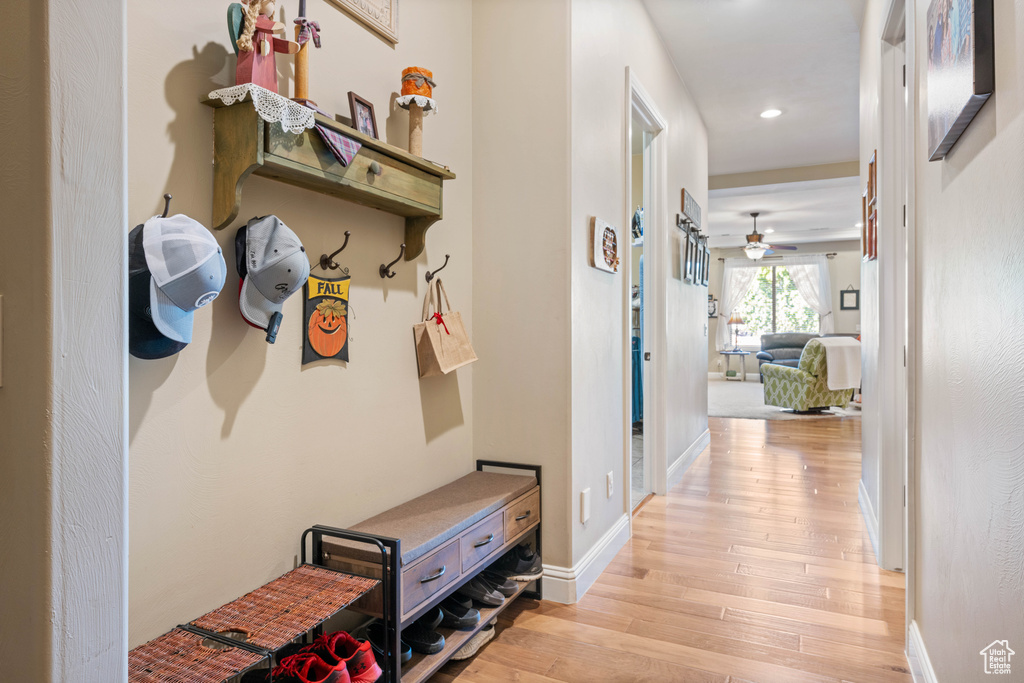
[440, 321]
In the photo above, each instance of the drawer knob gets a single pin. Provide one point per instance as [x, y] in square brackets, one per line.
[375, 168]
[523, 516]
[435, 577]
[480, 544]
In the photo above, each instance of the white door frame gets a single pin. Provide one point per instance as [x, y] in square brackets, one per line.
[898, 455]
[640, 104]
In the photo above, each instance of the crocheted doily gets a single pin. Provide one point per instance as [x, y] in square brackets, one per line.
[427, 104]
[270, 106]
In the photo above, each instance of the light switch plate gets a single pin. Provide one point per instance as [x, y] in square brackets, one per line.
[585, 506]
[610, 477]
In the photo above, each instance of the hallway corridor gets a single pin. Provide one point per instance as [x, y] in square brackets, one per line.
[755, 567]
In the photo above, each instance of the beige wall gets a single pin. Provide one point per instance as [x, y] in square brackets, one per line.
[969, 578]
[607, 37]
[62, 404]
[844, 270]
[236, 447]
[521, 247]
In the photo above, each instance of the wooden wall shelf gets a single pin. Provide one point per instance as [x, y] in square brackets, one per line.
[381, 175]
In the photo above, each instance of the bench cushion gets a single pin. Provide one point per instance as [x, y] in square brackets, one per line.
[426, 522]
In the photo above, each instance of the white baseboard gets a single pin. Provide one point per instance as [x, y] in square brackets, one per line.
[568, 584]
[677, 469]
[920, 666]
[870, 518]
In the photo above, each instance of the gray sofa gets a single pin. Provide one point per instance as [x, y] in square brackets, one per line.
[782, 348]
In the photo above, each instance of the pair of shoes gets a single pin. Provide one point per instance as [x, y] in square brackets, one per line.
[519, 564]
[377, 637]
[457, 614]
[422, 636]
[332, 658]
[498, 582]
[485, 636]
[480, 590]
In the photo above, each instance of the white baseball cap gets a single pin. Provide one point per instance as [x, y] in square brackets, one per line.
[275, 267]
[188, 272]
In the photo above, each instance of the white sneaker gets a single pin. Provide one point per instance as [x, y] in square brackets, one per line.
[475, 643]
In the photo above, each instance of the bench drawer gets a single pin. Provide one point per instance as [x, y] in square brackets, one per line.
[522, 515]
[482, 539]
[429, 575]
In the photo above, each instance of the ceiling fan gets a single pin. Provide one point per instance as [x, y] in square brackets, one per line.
[756, 247]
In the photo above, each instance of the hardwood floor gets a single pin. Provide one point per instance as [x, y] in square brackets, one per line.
[756, 567]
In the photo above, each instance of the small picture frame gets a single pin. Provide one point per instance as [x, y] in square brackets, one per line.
[849, 299]
[363, 118]
[607, 245]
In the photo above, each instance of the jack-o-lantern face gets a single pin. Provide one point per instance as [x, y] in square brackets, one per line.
[328, 328]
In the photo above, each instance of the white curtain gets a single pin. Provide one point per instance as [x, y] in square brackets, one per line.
[810, 275]
[737, 278]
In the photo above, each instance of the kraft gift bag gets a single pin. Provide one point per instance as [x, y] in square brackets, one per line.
[442, 344]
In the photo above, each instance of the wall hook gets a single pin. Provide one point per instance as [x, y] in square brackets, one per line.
[430, 276]
[327, 262]
[385, 271]
[167, 204]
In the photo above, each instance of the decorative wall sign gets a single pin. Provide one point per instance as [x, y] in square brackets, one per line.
[691, 211]
[606, 245]
[961, 68]
[326, 319]
[380, 16]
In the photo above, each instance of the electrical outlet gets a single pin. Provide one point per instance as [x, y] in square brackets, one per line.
[611, 483]
[858, 327]
[585, 505]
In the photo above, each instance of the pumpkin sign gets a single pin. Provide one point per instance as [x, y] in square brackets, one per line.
[326, 308]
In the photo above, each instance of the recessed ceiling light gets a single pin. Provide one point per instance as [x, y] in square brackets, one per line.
[858, 225]
[770, 113]
[769, 231]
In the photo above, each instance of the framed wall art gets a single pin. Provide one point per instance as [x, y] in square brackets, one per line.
[706, 256]
[849, 299]
[363, 118]
[689, 249]
[961, 68]
[607, 245]
[380, 16]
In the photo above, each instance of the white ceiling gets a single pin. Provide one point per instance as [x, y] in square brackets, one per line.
[812, 211]
[741, 57]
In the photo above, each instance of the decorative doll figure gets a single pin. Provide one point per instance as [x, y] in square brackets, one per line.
[257, 45]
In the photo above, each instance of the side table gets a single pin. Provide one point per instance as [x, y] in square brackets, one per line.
[728, 363]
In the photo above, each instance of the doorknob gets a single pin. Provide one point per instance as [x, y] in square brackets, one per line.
[647, 355]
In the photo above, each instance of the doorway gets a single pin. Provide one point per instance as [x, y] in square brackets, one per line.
[639, 305]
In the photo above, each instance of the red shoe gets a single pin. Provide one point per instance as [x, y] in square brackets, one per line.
[339, 648]
[306, 667]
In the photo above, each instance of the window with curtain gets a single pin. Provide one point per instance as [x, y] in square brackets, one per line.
[774, 304]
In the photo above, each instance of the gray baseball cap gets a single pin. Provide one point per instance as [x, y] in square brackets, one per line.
[275, 268]
[188, 272]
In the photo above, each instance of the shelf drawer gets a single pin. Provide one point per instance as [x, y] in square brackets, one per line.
[398, 179]
[522, 515]
[482, 539]
[429, 575]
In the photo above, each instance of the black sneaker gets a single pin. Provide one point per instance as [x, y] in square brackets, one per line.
[375, 634]
[520, 564]
[480, 590]
[424, 640]
[498, 582]
[457, 616]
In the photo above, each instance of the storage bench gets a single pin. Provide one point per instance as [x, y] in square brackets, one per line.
[441, 540]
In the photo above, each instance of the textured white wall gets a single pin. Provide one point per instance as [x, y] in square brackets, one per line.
[236, 447]
[969, 576]
[62, 406]
[608, 36]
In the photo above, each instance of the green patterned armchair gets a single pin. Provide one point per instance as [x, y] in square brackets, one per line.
[804, 387]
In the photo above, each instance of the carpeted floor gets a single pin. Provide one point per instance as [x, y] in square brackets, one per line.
[746, 400]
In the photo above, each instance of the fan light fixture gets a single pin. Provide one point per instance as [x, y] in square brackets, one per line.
[755, 251]
[770, 113]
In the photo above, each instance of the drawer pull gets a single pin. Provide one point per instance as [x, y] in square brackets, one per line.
[436, 576]
[481, 544]
[375, 168]
[523, 516]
